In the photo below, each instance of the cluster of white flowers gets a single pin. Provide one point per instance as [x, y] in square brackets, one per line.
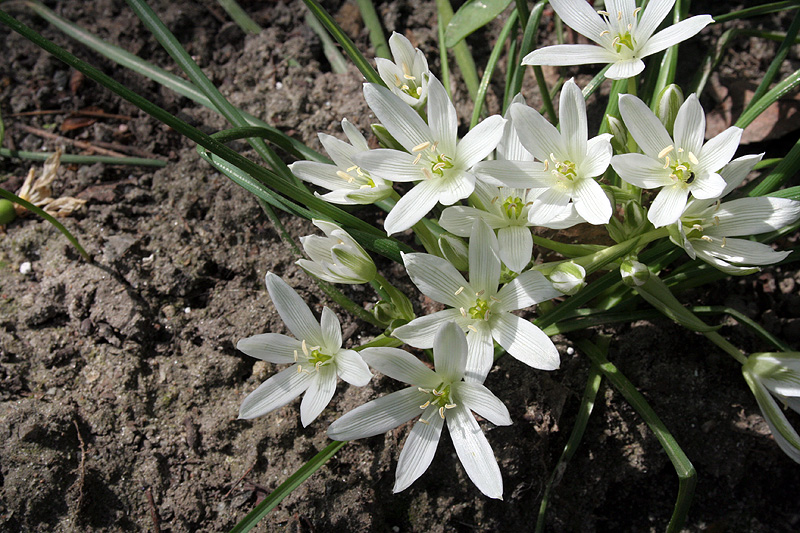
[539, 176]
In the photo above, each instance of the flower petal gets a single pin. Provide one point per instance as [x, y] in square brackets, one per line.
[527, 289]
[400, 365]
[645, 127]
[625, 68]
[294, 311]
[690, 126]
[524, 341]
[549, 205]
[654, 13]
[484, 260]
[419, 448]
[717, 152]
[751, 216]
[331, 330]
[352, 368]
[737, 170]
[675, 34]
[412, 207]
[641, 170]
[450, 352]
[707, 186]
[740, 251]
[320, 174]
[270, 347]
[480, 353]
[598, 156]
[591, 201]
[480, 141]
[379, 415]
[276, 392]
[581, 17]
[453, 188]
[514, 174]
[402, 121]
[388, 164]
[562, 55]
[478, 398]
[420, 332]
[438, 279]
[442, 117]
[319, 394]
[668, 205]
[474, 452]
[516, 247]
[537, 135]
[572, 117]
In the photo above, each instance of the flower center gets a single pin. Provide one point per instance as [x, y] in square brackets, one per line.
[513, 207]
[480, 311]
[622, 28]
[361, 177]
[314, 358]
[433, 162]
[409, 84]
[680, 169]
[564, 172]
[439, 396]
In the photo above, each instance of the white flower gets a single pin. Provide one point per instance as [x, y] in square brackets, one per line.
[348, 184]
[435, 156]
[438, 396]
[407, 76]
[569, 162]
[479, 308]
[623, 38]
[777, 374]
[337, 257]
[706, 228]
[504, 210]
[680, 166]
[316, 353]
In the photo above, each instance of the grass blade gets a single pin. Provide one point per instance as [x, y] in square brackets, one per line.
[480, 98]
[84, 159]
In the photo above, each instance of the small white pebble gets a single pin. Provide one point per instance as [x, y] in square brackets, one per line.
[278, 85]
[570, 350]
[187, 310]
[25, 268]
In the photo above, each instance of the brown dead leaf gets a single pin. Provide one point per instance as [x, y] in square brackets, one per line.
[74, 123]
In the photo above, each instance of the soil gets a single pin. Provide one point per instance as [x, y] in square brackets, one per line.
[120, 381]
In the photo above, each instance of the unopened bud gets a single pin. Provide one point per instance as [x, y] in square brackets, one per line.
[669, 101]
[568, 278]
[454, 250]
[620, 140]
[337, 257]
[634, 273]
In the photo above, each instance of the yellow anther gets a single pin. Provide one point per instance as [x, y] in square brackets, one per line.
[716, 220]
[358, 171]
[473, 328]
[680, 150]
[495, 199]
[404, 87]
[480, 292]
[546, 165]
[450, 406]
[636, 11]
[717, 206]
[619, 15]
[459, 291]
[666, 163]
[419, 92]
[724, 242]
[698, 227]
[434, 146]
[397, 81]
[707, 238]
[304, 346]
[441, 412]
[463, 312]
[352, 168]
[344, 176]
[424, 405]
[424, 421]
[494, 298]
[427, 173]
[693, 158]
[416, 159]
[681, 166]
[421, 146]
[409, 77]
[604, 13]
[437, 393]
[423, 390]
[665, 151]
[299, 369]
[295, 356]
[616, 40]
[630, 26]
[438, 166]
[604, 32]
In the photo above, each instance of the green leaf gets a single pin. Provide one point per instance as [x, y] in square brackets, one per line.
[659, 296]
[471, 16]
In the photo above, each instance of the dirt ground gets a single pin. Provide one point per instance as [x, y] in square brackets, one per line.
[120, 382]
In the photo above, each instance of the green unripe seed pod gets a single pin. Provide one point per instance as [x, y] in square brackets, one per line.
[7, 212]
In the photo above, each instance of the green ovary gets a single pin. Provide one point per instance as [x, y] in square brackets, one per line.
[479, 311]
[513, 207]
[318, 359]
[626, 40]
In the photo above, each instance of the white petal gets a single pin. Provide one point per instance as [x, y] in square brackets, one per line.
[270, 347]
[785, 436]
[319, 394]
[453, 188]
[641, 170]
[525, 342]
[391, 165]
[412, 207]
[645, 127]
[419, 449]
[737, 170]
[537, 135]
[561, 55]
[740, 251]
[480, 141]
[598, 156]
[352, 368]
[403, 51]
[331, 330]
[717, 152]
[354, 136]
[751, 216]
[690, 126]
[378, 416]
[320, 174]
[675, 34]
[442, 117]
[340, 151]
[572, 117]
[363, 196]
[625, 68]
[525, 290]
[707, 186]
[516, 247]
[484, 260]
[419, 332]
[459, 219]
[515, 174]
[402, 121]
[591, 202]
[294, 311]
[400, 365]
[450, 352]
[474, 452]
[276, 392]
[438, 279]
[478, 398]
[581, 17]
[549, 205]
[654, 13]
[668, 205]
[480, 353]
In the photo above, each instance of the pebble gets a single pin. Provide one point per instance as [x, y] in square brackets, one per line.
[25, 268]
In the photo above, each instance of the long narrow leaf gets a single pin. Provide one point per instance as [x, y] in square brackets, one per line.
[84, 159]
[528, 38]
[490, 66]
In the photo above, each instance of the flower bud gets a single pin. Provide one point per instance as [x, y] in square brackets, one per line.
[620, 140]
[454, 250]
[337, 257]
[634, 273]
[568, 278]
[669, 101]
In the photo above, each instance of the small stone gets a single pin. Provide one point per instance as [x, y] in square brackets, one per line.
[25, 268]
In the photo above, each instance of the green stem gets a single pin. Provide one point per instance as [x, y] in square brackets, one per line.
[84, 159]
[443, 57]
[544, 91]
[42, 213]
[726, 346]
[757, 11]
[239, 16]
[687, 476]
[332, 54]
[480, 98]
[373, 24]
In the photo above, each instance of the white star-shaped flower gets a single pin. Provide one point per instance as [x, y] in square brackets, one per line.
[435, 158]
[483, 311]
[623, 37]
[408, 75]
[349, 185]
[436, 395]
[337, 257]
[680, 166]
[316, 353]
